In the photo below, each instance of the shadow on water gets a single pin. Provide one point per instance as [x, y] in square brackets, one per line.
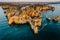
[50, 32]
[23, 26]
[26, 25]
[31, 33]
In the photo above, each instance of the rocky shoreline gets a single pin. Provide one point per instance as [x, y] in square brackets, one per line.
[28, 13]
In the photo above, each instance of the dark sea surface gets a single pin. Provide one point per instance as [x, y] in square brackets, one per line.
[48, 31]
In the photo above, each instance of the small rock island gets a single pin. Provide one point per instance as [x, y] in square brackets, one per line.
[26, 14]
[56, 18]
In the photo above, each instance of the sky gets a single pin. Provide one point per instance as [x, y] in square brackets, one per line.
[29, 0]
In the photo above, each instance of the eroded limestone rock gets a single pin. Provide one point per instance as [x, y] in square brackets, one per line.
[56, 18]
[30, 14]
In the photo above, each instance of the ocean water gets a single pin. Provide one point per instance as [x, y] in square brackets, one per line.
[48, 30]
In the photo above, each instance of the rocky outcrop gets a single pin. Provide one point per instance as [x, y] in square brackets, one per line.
[30, 14]
[48, 18]
[56, 18]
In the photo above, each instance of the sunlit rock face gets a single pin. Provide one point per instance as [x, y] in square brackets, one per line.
[28, 13]
[56, 18]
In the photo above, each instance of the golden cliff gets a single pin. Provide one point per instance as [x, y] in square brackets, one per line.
[24, 14]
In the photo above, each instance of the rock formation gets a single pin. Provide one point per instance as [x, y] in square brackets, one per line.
[48, 18]
[24, 14]
[56, 18]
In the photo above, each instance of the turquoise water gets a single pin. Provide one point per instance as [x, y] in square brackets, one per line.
[49, 30]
